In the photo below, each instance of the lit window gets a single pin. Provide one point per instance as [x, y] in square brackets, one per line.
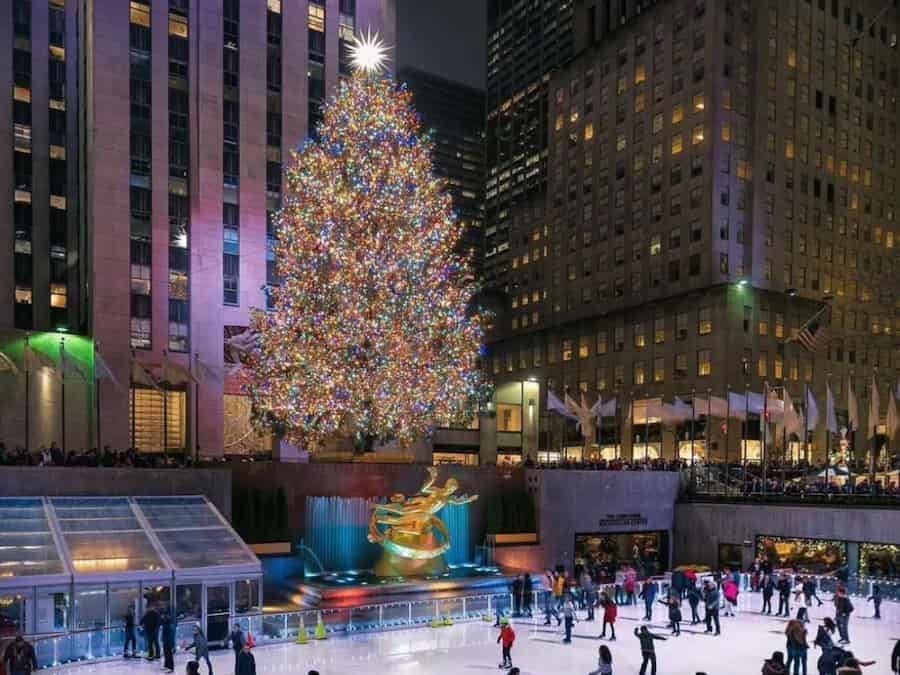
[677, 144]
[588, 131]
[23, 295]
[677, 114]
[704, 321]
[699, 103]
[640, 74]
[789, 148]
[704, 363]
[656, 244]
[621, 143]
[584, 347]
[316, 17]
[697, 135]
[659, 370]
[567, 350]
[640, 336]
[639, 372]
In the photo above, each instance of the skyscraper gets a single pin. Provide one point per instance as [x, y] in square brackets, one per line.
[718, 174]
[143, 173]
[454, 115]
[526, 41]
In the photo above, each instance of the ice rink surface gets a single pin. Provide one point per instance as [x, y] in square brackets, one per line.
[471, 648]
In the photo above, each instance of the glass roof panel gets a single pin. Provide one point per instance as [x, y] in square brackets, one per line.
[192, 533]
[104, 535]
[178, 512]
[203, 548]
[27, 547]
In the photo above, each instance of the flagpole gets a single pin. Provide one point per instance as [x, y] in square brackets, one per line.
[852, 432]
[693, 415]
[165, 393]
[27, 393]
[727, 418]
[763, 433]
[745, 431]
[197, 408]
[619, 429]
[829, 397]
[785, 396]
[873, 425]
[62, 357]
[97, 397]
[647, 430]
[806, 421]
[133, 403]
[707, 434]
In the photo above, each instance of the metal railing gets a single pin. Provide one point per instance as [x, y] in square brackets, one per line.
[271, 627]
[274, 627]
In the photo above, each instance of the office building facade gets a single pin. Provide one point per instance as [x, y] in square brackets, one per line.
[718, 174]
[454, 116]
[146, 142]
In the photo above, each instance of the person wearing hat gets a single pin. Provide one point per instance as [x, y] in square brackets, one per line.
[200, 647]
[506, 639]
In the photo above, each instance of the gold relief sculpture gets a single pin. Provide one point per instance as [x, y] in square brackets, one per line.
[414, 540]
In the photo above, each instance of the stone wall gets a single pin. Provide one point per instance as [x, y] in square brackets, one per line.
[300, 481]
[575, 502]
[700, 528]
[39, 481]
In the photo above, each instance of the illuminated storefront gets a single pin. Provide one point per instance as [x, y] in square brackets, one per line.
[815, 556]
[881, 561]
[647, 552]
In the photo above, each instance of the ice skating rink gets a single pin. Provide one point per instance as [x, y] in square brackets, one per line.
[471, 647]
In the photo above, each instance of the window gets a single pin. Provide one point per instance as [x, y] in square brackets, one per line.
[659, 370]
[639, 372]
[677, 144]
[704, 363]
[567, 350]
[762, 365]
[697, 135]
[681, 366]
[704, 321]
[681, 326]
[602, 342]
[640, 335]
[584, 347]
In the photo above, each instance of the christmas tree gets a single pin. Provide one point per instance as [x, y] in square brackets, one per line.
[370, 336]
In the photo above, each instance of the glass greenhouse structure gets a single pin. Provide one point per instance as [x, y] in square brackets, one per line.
[74, 566]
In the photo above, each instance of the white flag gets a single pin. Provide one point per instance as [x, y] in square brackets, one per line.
[102, 371]
[812, 411]
[609, 408]
[852, 406]
[557, 406]
[140, 375]
[874, 411]
[7, 365]
[69, 366]
[793, 424]
[893, 421]
[737, 406]
[830, 413]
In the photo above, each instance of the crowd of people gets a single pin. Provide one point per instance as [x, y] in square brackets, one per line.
[792, 481]
[610, 465]
[565, 595]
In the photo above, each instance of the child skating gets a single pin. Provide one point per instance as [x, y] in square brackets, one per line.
[506, 639]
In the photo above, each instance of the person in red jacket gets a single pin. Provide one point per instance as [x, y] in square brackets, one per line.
[505, 640]
[610, 612]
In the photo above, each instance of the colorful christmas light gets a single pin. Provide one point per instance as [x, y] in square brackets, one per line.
[370, 335]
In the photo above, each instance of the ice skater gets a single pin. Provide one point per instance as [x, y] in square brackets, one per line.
[673, 603]
[876, 599]
[648, 594]
[610, 612]
[604, 662]
[768, 590]
[568, 611]
[711, 604]
[648, 651]
[693, 596]
[842, 610]
[506, 639]
[784, 595]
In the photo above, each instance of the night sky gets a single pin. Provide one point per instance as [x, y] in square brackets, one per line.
[443, 37]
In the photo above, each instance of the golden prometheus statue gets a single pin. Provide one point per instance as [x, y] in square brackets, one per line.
[407, 528]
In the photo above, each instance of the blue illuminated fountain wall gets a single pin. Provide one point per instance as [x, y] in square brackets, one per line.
[335, 529]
